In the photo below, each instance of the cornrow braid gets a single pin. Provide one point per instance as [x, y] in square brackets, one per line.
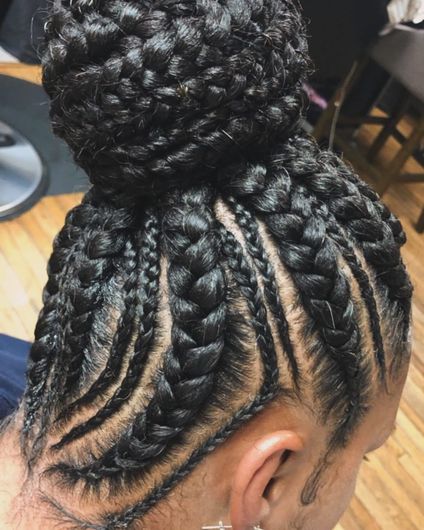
[249, 227]
[85, 283]
[147, 295]
[255, 183]
[367, 291]
[386, 215]
[376, 231]
[247, 282]
[125, 518]
[55, 298]
[95, 267]
[120, 341]
[300, 234]
[46, 343]
[392, 273]
[199, 311]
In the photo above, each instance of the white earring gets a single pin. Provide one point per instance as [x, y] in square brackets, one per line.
[221, 526]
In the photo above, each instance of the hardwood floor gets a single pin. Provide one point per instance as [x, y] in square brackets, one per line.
[390, 493]
[28, 72]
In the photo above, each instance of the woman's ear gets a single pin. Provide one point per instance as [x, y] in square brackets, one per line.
[254, 475]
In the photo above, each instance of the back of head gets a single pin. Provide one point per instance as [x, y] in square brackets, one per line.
[220, 260]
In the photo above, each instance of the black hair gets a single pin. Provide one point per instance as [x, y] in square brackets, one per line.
[178, 111]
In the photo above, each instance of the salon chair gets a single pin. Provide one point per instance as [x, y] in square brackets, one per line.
[400, 54]
[22, 176]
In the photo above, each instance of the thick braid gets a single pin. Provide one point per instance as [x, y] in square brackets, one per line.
[103, 241]
[198, 304]
[121, 337]
[90, 219]
[127, 269]
[367, 292]
[301, 236]
[247, 282]
[47, 331]
[49, 336]
[355, 206]
[239, 418]
[249, 226]
[386, 215]
[394, 274]
[147, 295]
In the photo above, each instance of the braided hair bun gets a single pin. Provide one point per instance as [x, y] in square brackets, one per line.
[154, 95]
[220, 262]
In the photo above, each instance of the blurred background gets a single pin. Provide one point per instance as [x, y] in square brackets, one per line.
[366, 101]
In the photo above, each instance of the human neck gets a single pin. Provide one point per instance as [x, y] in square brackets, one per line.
[12, 480]
[21, 507]
[21, 502]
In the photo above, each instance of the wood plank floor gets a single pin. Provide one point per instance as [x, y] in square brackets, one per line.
[390, 493]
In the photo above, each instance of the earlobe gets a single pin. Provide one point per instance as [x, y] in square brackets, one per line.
[255, 472]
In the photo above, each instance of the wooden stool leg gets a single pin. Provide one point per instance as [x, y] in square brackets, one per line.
[402, 156]
[398, 112]
[420, 224]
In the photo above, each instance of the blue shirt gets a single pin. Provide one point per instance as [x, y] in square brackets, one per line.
[13, 363]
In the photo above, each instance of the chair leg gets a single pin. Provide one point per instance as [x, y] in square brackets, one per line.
[323, 127]
[398, 113]
[402, 156]
[420, 224]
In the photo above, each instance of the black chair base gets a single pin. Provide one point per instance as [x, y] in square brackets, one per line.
[22, 176]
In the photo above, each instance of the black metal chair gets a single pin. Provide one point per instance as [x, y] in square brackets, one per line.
[399, 53]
